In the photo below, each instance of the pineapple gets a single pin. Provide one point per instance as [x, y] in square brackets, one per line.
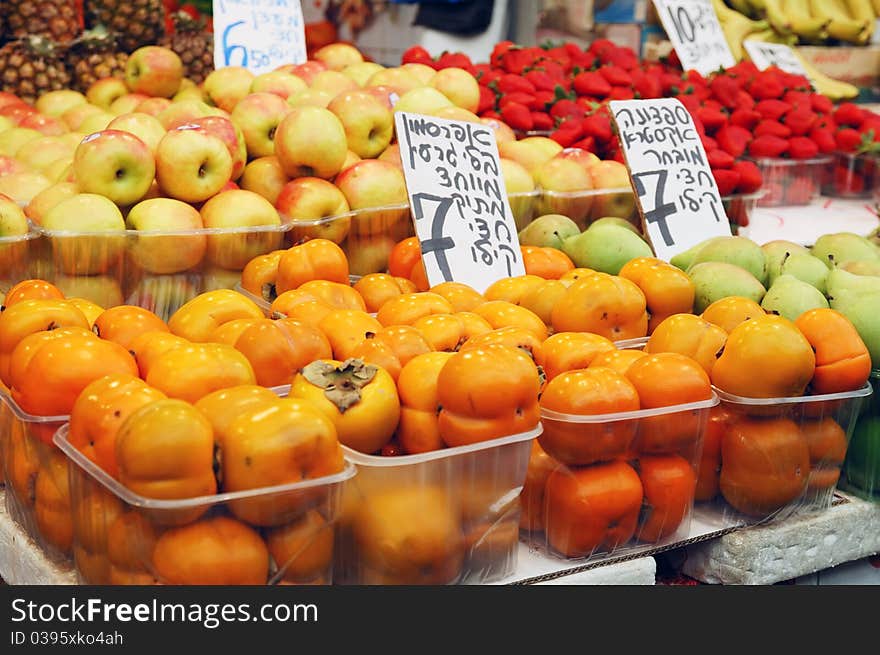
[94, 56]
[193, 44]
[57, 20]
[31, 66]
[136, 23]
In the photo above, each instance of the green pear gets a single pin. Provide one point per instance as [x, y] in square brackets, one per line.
[834, 249]
[615, 220]
[776, 252]
[858, 298]
[684, 259]
[861, 267]
[549, 230]
[738, 251]
[790, 297]
[605, 248]
[715, 280]
[806, 268]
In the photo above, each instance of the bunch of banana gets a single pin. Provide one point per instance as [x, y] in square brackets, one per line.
[812, 21]
[736, 27]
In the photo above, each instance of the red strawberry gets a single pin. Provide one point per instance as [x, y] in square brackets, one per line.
[798, 99]
[541, 121]
[848, 139]
[745, 100]
[773, 128]
[569, 131]
[750, 178]
[821, 103]
[516, 60]
[587, 143]
[725, 90]
[768, 145]
[592, 84]
[601, 47]
[543, 100]
[849, 114]
[745, 118]
[712, 119]
[624, 58]
[525, 99]
[491, 114]
[767, 85]
[487, 100]
[719, 159]
[824, 139]
[616, 76]
[455, 60]
[598, 126]
[733, 139]
[646, 86]
[800, 191]
[416, 55]
[726, 179]
[540, 80]
[621, 93]
[772, 109]
[565, 108]
[690, 102]
[510, 83]
[801, 147]
[671, 83]
[517, 116]
[800, 121]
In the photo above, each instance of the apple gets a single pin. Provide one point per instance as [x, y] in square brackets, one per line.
[459, 86]
[10, 165]
[281, 84]
[165, 294]
[391, 154]
[310, 141]
[6, 123]
[144, 126]
[16, 112]
[422, 72]
[362, 71]
[188, 93]
[55, 103]
[192, 164]
[46, 199]
[241, 209]
[368, 123]
[9, 98]
[368, 254]
[82, 253]
[22, 187]
[223, 128]
[115, 164]
[166, 253]
[96, 122]
[103, 290]
[333, 82]
[184, 111]
[39, 153]
[313, 201]
[127, 103]
[456, 114]
[48, 125]
[528, 154]
[612, 174]
[13, 221]
[14, 247]
[583, 157]
[75, 116]
[423, 100]
[386, 94]
[60, 170]
[265, 176]
[351, 158]
[13, 139]
[399, 79]
[310, 98]
[562, 183]
[372, 184]
[224, 87]
[306, 71]
[258, 116]
[154, 71]
[520, 187]
[103, 92]
[337, 56]
[153, 106]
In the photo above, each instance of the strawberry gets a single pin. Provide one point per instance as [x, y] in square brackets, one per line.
[772, 109]
[768, 145]
[848, 139]
[821, 104]
[847, 181]
[601, 47]
[511, 83]
[719, 159]
[726, 179]
[598, 126]
[772, 128]
[849, 114]
[646, 86]
[569, 131]
[542, 121]
[516, 60]
[725, 90]
[616, 76]
[733, 139]
[491, 114]
[621, 57]
[798, 99]
[587, 143]
[543, 100]
[800, 191]
[690, 102]
[750, 178]
[744, 100]
[565, 108]
[621, 93]
[525, 99]
[501, 48]
[592, 84]
[517, 116]
[540, 80]
[670, 83]
[455, 60]
[712, 119]
[745, 118]
[487, 100]
[824, 139]
[800, 121]
[801, 147]
[416, 55]
[767, 85]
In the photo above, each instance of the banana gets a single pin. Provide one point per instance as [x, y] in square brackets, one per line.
[757, 6]
[776, 16]
[803, 23]
[841, 26]
[772, 36]
[738, 27]
[863, 10]
[876, 5]
[836, 90]
[743, 7]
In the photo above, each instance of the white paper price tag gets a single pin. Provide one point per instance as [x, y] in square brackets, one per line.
[695, 32]
[764, 55]
[260, 35]
[673, 184]
[459, 203]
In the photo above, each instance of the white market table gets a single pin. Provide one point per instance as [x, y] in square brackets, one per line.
[805, 224]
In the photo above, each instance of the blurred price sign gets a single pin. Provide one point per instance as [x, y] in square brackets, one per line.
[459, 203]
[696, 34]
[764, 55]
[674, 186]
[259, 35]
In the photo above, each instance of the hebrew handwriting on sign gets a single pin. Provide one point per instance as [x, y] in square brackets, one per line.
[437, 244]
[259, 35]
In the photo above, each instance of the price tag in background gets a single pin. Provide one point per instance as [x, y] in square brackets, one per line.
[764, 55]
[258, 34]
[459, 203]
[695, 32]
[674, 187]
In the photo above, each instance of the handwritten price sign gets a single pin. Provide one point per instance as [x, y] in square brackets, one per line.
[764, 55]
[696, 34]
[258, 34]
[674, 186]
[459, 203]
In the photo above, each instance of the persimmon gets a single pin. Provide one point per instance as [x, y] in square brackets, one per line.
[195, 370]
[288, 304]
[27, 347]
[545, 262]
[21, 464]
[89, 309]
[340, 296]
[502, 314]
[462, 297]
[591, 508]
[576, 274]
[531, 498]
[710, 457]
[417, 429]
[542, 299]
[729, 312]
[618, 359]
[123, 323]
[407, 308]
[316, 259]
[669, 483]
[259, 275]
[345, 329]
[52, 502]
[303, 548]
[131, 539]
[566, 351]
[221, 407]
[583, 393]
[668, 290]
[32, 290]
[278, 349]
[148, 346]
[607, 305]
[689, 335]
[229, 332]
[95, 510]
[404, 256]
[827, 443]
[197, 319]
[419, 277]
[391, 348]
[512, 289]
[443, 332]
[843, 362]
[378, 288]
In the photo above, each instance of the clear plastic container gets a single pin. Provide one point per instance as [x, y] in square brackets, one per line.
[861, 470]
[120, 537]
[583, 207]
[19, 258]
[446, 517]
[791, 181]
[780, 457]
[739, 208]
[851, 175]
[615, 484]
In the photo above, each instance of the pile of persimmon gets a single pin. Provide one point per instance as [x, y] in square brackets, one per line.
[765, 456]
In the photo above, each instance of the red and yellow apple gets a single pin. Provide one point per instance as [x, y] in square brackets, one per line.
[311, 202]
[115, 164]
[154, 71]
[192, 164]
[166, 253]
[311, 141]
[240, 209]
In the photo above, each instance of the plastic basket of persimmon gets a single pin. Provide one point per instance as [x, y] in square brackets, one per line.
[17, 255]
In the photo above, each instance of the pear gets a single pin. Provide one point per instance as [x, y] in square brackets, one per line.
[605, 248]
[861, 267]
[806, 268]
[616, 220]
[549, 230]
[834, 249]
[858, 298]
[776, 252]
[790, 297]
[684, 259]
[715, 280]
[739, 251]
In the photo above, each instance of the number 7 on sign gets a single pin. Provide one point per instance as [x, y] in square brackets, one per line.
[661, 210]
[437, 244]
